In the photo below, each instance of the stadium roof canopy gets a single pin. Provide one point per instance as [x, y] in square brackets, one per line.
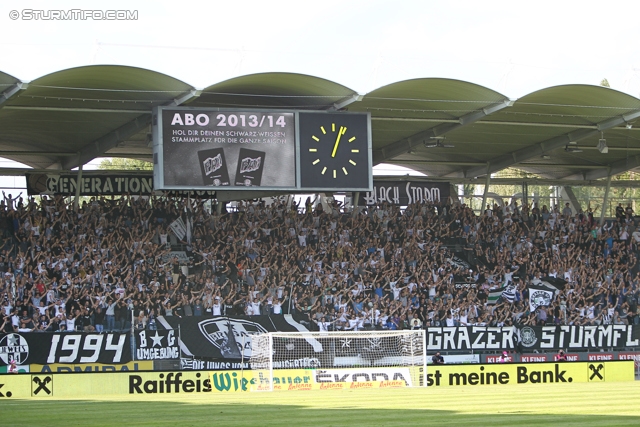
[441, 127]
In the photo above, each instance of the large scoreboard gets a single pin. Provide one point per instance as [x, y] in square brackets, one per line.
[290, 150]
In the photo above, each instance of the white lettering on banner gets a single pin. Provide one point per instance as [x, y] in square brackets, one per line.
[156, 338]
[403, 193]
[599, 356]
[544, 338]
[307, 362]
[496, 359]
[212, 164]
[629, 356]
[151, 347]
[471, 338]
[548, 337]
[422, 194]
[99, 184]
[382, 194]
[190, 120]
[591, 336]
[74, 343]
[250, 165]
[157, 353]
[463, 338]
[364, 374]
[526, 358]
[207, 365]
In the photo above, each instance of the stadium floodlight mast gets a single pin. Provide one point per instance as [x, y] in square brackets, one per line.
[351, 356]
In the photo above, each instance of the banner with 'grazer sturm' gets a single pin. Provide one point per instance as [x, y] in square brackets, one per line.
[228, 341]
[70, 348]
[528, 338]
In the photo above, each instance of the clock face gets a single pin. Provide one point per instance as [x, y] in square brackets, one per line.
[335, 151]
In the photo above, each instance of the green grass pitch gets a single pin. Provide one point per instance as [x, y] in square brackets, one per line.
[577, 404]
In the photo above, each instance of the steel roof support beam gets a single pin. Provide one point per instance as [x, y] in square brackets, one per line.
[106, 142]
[487, 182]
[606, 199]
[575, 204]
[7, 94]
[404, 145]
[185, 97]
[339, 105]
[543, 147]
[110, 140]
[620, 166]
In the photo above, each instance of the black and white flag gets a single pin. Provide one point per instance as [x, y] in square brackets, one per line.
[539, 296]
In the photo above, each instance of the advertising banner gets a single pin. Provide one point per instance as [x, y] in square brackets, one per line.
[533, 358]
[60, 385]
[70, 348]
[227, 149]
[537, 373]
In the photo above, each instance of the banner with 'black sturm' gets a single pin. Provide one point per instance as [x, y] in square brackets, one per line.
[403, 193]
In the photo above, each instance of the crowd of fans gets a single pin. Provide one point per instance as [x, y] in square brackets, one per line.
[108, 265]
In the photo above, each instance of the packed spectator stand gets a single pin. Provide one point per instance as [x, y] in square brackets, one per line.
[108, 265]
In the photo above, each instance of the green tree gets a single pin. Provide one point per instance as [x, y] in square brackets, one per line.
[124, 164]
[605, 83]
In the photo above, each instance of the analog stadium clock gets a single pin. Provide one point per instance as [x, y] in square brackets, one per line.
[335, 151]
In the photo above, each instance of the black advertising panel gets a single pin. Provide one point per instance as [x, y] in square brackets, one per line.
[226, 149]
[403, 193]
[213, 166]
[201, 149]
[250, 167]
[335, 151]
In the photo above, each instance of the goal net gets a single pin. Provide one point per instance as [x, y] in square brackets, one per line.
[315, 359]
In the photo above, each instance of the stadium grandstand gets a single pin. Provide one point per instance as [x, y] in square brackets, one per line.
[115, 263]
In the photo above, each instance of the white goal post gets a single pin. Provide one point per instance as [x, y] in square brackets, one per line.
[364, 356]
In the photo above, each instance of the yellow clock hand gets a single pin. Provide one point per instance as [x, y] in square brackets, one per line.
[335, 147]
